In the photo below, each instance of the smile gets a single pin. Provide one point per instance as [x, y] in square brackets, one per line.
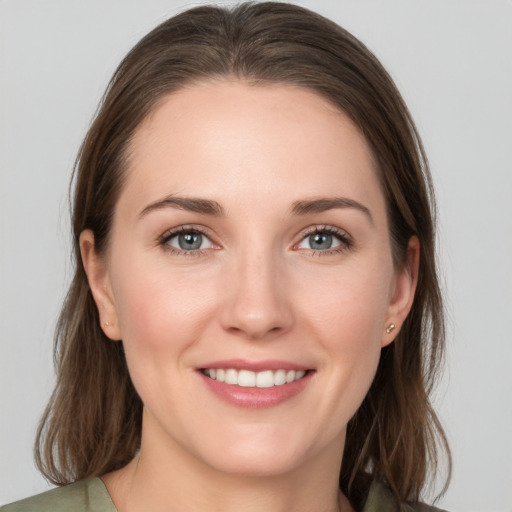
[250, 379]
[255, 384]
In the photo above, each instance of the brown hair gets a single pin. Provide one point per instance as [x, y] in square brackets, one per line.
[92, 424]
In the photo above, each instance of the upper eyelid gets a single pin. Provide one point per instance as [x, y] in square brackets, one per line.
[324, 227]
[169, 233]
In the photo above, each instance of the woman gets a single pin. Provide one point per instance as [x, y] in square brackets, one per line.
[255, 319]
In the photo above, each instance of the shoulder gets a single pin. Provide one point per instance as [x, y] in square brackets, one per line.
[84, 496]
[380, 499]
[421, 507]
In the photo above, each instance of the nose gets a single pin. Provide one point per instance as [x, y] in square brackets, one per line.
[256, 304]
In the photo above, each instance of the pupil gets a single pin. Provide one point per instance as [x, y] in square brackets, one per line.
[320, 241]
[189, 241]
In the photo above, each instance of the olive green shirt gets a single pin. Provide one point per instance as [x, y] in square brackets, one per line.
[92, 496]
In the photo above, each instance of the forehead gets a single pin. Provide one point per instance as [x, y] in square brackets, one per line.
[260, 143]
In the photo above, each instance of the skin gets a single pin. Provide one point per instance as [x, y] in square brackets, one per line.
[256, 290]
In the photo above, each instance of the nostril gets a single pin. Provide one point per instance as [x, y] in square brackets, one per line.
[255, 332]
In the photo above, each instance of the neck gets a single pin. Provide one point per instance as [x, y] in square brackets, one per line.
[173, 479]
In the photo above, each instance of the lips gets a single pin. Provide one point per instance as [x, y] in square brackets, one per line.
[255, 384]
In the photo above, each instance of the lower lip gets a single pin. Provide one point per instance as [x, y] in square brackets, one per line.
[256, 398]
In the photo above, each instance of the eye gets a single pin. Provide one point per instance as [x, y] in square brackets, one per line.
[187, 240]
[325, 239]
[319, 242]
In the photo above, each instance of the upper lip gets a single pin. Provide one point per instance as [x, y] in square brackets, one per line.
[254, 366]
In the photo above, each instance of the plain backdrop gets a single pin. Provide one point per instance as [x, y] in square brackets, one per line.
[452, 60]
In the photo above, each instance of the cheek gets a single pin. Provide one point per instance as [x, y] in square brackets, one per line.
[154, 304]
[350, 306]
[347, 321]
[161, 314]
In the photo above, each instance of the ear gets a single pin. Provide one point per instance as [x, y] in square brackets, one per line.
[402, 292]
[96, 269]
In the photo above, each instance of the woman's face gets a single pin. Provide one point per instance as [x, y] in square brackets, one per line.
[249, 244]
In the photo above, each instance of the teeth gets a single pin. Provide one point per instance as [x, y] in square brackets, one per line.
[264, 379]
[248, 379]
[231, 376]
[279, 378]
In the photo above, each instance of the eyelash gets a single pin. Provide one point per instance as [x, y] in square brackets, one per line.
[346, 242]
[164, 239]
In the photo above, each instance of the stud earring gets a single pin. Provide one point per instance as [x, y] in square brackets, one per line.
[390, 328]
[107, 324]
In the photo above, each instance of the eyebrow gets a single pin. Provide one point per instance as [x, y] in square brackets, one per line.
[191, 204]
[213, 208]
[328, 203]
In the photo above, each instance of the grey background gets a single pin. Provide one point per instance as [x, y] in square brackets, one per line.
[453, 62]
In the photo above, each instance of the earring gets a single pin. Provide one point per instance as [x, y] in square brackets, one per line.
[390, 328]
[107, 324]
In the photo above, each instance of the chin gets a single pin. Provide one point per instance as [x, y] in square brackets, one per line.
[259, 455]
[258, 464]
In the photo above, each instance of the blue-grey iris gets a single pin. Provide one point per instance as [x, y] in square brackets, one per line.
[319, 241]
[190, 241]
